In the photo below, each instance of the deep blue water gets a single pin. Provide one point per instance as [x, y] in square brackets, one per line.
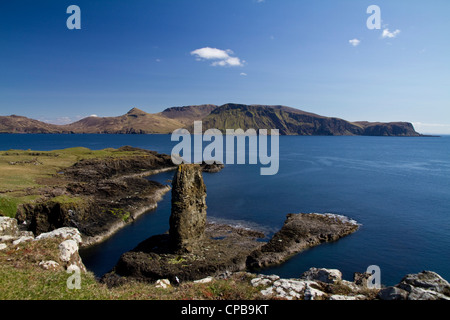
[397, 188]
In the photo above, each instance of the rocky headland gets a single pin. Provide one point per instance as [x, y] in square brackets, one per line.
[98, 196]
[300, 232]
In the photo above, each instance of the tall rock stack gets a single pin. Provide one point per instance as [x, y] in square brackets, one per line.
[188, 217]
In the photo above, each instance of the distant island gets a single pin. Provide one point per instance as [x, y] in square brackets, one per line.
[289, 121]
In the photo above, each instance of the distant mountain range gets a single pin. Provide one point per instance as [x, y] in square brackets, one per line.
[288, 120]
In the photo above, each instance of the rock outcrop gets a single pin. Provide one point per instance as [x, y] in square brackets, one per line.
[322, 275]
[426, 285]
[11, 237]
[8, 227]
[188, 215]
[10, 233]
[300, 232]
[314, 284]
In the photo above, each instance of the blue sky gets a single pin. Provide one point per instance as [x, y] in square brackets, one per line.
[317, 56]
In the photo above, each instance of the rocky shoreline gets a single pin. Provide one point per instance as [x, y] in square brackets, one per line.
[194, 249]
[136, 213]
[103, 195]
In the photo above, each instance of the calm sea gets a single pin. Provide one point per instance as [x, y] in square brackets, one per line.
[398, 189]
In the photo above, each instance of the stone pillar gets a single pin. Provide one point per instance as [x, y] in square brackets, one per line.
[188, 217]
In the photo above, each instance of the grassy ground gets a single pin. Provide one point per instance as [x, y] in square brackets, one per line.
[23, 174]
[21, 278]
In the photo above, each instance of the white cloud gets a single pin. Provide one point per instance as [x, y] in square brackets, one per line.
[354, 42]
[211, 53]
[243, 74]
[94, 115]
[388, 34]
[222, 58]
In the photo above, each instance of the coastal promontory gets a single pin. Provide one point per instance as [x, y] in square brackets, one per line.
[96, 191]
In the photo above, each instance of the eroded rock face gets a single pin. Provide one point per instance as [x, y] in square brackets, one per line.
[188, 217]
[65, 233]
[8, 227]
[322, 275]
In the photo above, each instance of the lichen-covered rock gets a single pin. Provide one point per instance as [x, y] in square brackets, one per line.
[67, 249]
[426, 285]
[312, 293]
[68, 253]
[10, 232]
[162, 283]
[63, 233]
[392, 293]
[8, 227]
[427, 280]
[322, 275]
[188, 216]
[289, 289]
